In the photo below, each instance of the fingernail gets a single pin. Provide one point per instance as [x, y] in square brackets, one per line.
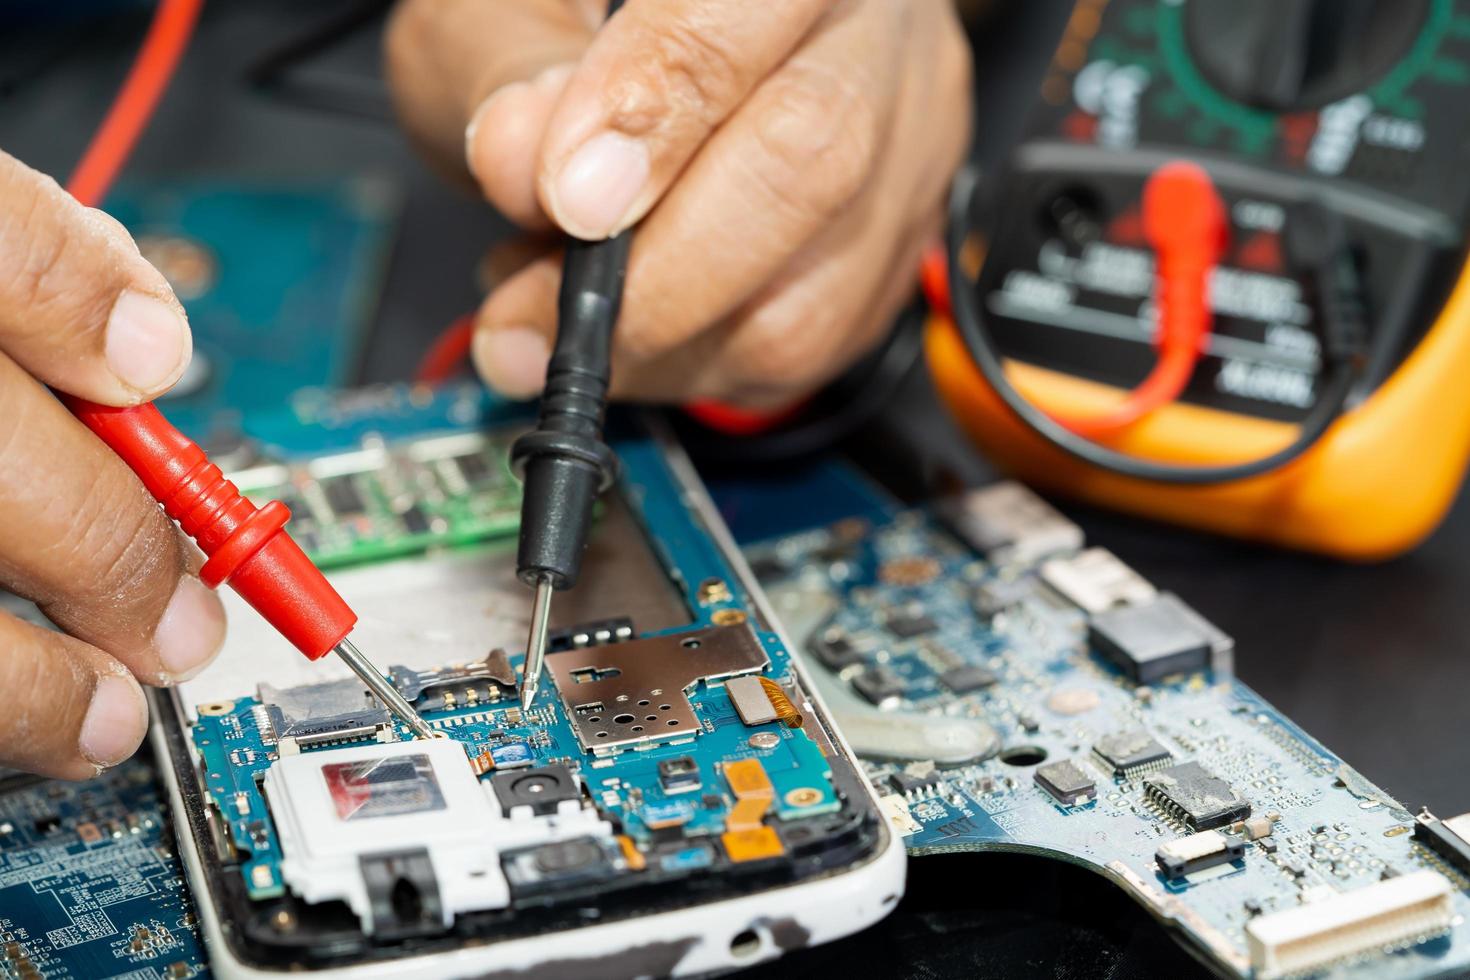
[147, 344]
[512, 360]
[191, 630]
[597, 186]
[116, 720]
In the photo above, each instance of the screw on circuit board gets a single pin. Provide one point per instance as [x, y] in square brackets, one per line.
[803, 796]
[765, 740]
[713, 590]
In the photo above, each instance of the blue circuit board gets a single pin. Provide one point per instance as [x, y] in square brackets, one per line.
[1049, 695]
[279, 282]
[237, 757]
[676, 829]
[89, 883]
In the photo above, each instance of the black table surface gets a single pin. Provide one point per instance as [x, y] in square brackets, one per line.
[1370, 659]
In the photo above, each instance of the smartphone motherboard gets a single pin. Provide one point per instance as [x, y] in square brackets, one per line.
[673, 759]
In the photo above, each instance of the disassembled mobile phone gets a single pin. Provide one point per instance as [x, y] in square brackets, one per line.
[674, 802]
[1008, 688]
[1011, 688]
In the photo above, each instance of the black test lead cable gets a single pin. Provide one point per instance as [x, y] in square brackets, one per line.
[564, 463]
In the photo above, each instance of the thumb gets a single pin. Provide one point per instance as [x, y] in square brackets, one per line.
[475, 82]
[80, 309]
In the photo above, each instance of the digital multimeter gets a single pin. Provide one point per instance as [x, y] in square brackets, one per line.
[1359, 108]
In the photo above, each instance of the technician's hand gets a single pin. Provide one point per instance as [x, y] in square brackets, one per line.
[81, 311]
[787, 160]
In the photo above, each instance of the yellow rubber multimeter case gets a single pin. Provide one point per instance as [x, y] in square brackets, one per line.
[1359, 107]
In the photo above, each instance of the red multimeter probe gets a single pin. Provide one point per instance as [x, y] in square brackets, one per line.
[245, 545]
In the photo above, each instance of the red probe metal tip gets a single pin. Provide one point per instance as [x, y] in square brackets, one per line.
[245, 546]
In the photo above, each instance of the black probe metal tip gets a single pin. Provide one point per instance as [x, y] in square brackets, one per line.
[564, 462]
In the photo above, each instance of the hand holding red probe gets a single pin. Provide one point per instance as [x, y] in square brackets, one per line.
[83, 313]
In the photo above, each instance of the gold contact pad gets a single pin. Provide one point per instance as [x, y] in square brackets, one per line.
[747, 779]
[757, 844]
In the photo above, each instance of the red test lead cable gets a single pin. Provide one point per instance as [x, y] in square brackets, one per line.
[1185, 222]
[245, 545]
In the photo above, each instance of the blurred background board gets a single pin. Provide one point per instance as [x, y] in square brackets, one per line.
[89, 883]
[280, 279]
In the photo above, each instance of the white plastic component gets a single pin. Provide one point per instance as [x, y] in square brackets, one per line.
[896, 809]
[1459, 826]
[460, 824]
[1009, 523]
[1194, 846]
[321, 848]
[1097, 580]
[1382, 915]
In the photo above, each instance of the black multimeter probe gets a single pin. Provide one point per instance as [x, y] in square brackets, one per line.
[564, 462]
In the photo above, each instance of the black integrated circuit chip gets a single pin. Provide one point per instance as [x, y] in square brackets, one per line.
[1130, 751]
[1200, 799]
[1066, 782]
[416, 521]
[967, 679]
[835, 649]
[908, 784]
[910, 623]
[880, 685]
[343, 496]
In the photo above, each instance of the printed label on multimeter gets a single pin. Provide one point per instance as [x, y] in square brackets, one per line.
[1262, 348]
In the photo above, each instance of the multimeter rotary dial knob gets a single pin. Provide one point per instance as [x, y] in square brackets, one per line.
[1291, 55]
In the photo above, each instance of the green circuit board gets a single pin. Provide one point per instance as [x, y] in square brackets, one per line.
[379, 501]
